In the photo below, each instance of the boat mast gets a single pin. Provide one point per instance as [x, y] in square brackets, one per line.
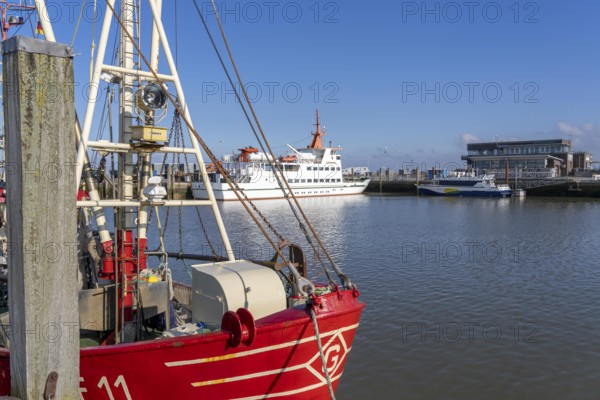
[126, 215]
[146, 157]
[317, 142]
[129, 73]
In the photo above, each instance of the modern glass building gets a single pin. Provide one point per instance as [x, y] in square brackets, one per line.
[531, 158]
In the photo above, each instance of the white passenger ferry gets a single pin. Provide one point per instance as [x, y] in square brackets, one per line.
[311, 171]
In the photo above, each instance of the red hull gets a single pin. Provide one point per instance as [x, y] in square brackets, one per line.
[282, 362]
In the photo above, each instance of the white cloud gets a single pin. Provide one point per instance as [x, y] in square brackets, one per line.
[585, 137]
[565, 127]
[467, 138]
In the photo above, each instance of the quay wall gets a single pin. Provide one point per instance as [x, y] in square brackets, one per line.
[565, 189]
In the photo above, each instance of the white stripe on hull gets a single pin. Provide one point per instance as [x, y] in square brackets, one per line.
[335, 373]
[290, 392]
[224, 193]
[246, 353]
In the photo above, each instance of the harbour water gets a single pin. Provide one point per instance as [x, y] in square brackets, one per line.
[466, 298]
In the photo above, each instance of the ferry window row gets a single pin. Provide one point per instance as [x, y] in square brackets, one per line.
[324, 169]
[315, 192]
[315, 180]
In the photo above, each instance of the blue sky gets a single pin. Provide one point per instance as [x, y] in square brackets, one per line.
[395, 81]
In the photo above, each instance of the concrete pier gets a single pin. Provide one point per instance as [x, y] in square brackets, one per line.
[39, 111]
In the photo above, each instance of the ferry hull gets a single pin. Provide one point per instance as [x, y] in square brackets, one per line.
[223, 192]
[282, 362]
[461, 192]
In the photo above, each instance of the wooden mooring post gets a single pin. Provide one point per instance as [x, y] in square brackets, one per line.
[38, 90]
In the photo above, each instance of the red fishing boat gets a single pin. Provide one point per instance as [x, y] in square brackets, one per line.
[242, 329]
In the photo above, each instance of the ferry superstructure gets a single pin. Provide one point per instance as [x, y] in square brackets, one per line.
[313, 171]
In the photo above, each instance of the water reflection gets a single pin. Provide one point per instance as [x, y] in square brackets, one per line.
[466, 298]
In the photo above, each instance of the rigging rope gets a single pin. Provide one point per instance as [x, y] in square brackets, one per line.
[177, 139]
[301, 282]
[28, 19]
[313, 315]
[172, 132]
[160, 230]
[111, 94]
[255, 209]
[78, 22]
[93, 46]
[275, 166]
[212, 247]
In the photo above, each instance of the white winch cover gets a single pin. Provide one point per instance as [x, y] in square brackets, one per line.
[227, 286]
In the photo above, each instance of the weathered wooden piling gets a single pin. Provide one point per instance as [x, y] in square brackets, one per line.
[38, 90]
